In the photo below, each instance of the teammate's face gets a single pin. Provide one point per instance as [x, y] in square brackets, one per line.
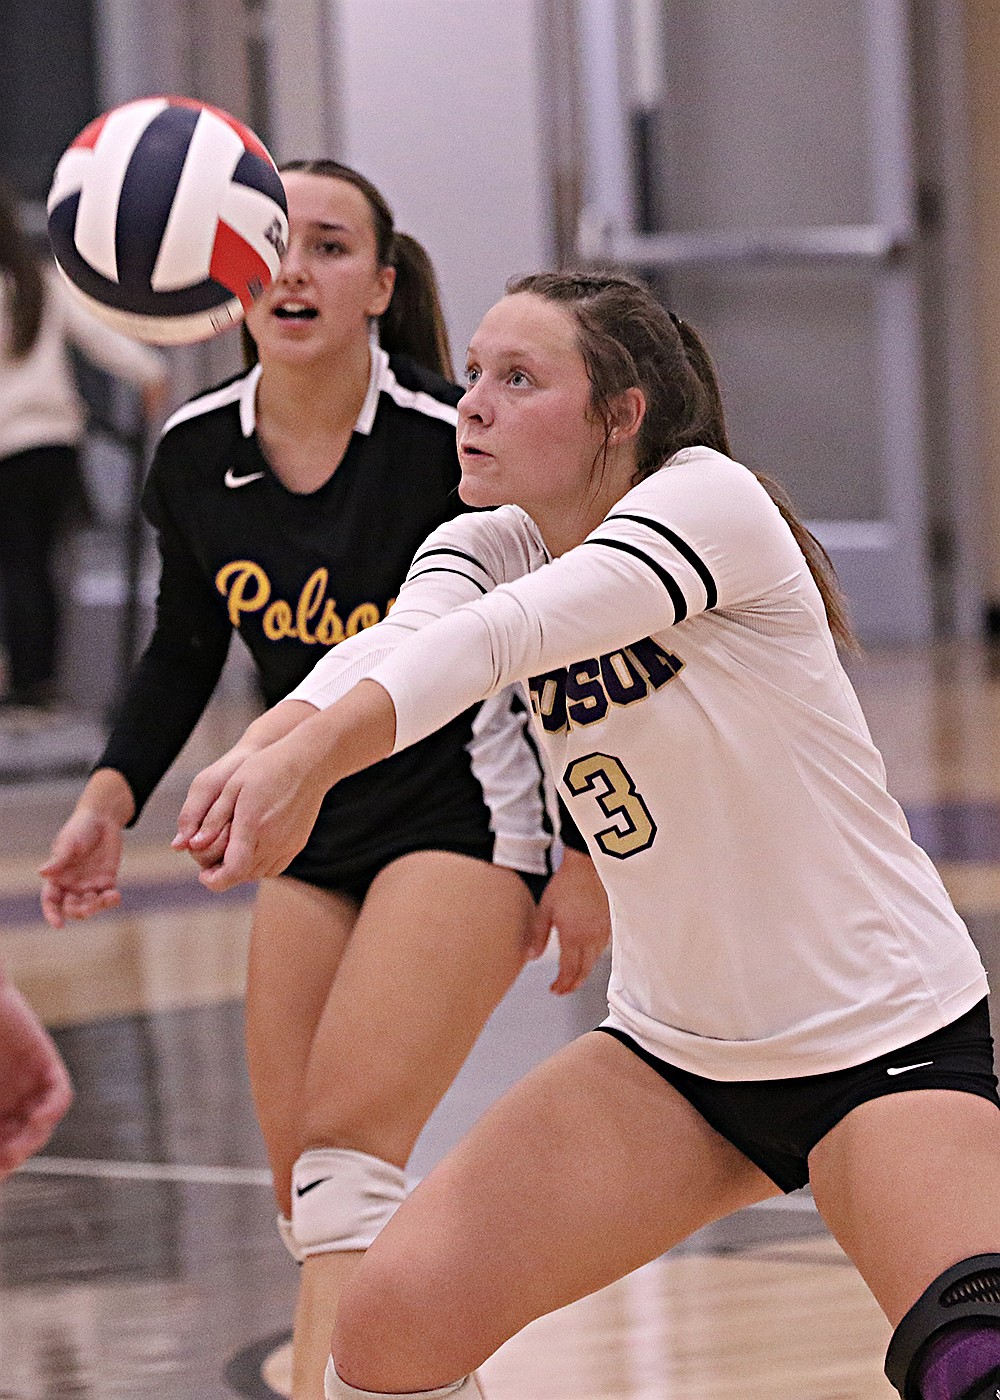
[527, 434]
[329, 282]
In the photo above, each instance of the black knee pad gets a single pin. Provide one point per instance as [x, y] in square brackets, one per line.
[969, 1291]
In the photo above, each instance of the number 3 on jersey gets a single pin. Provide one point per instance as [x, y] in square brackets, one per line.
[605, 777]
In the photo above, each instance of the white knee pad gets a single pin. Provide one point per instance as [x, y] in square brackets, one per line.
[336, 1389]
[287, 1238]
[341, 1199]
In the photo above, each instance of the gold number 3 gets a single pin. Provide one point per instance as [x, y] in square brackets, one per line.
[605, 777]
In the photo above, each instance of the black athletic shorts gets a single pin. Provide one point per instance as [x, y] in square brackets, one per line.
[356, 882]
[777, 1122]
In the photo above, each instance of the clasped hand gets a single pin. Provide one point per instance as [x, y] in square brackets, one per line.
[250, 813]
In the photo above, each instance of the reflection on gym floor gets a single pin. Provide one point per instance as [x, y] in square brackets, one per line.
[138, 1256]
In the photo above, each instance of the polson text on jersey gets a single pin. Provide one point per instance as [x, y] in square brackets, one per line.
[582, 693]
[247, 589]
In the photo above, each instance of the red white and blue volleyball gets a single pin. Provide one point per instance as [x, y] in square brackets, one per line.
[168, 219]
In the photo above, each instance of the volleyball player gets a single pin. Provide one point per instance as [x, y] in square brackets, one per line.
[793, 997]
[287, 505]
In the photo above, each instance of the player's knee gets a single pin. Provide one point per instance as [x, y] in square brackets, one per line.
[340, 1200]
[948, 1344]
[410, 1308]
[371, 1119]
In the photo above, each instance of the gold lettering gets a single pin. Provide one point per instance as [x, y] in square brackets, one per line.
[247, 589]
[310, 601]
[233, 581]
[329, 629]
[278, 622]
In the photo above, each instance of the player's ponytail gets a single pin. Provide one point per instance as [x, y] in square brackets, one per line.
[628, 340]
[413, 322]
[715, 435]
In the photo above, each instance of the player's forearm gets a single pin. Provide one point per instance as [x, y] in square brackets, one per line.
[108, 795]
[350, 735]
[275, 723]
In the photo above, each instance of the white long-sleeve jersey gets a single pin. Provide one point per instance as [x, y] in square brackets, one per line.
[39, 402]
[772, 916]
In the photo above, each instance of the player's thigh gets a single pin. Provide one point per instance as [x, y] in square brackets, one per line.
[910, 1184]
[589, 1167]
[438, 942]
[297, 941]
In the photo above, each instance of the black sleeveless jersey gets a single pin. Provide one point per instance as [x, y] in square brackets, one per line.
[294, 574]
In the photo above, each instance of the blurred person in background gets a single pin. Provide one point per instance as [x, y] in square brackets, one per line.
[42, 423]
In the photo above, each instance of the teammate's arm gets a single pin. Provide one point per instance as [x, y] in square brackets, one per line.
[165, 698]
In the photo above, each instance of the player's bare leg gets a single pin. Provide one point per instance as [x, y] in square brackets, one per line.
[589, 1167]
[438, 942]
[299, 936]
[298, 939]
[910, 1186]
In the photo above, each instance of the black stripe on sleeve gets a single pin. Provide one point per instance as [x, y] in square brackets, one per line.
[683, 548]
[440, 569]
[456, 553]
[669, 583]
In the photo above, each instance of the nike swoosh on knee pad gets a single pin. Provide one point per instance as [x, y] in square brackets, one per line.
[310, 1185]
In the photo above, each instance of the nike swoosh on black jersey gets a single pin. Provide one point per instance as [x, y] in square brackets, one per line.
[310, 1186]
[233, 481]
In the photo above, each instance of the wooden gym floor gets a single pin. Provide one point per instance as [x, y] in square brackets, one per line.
[138, 1256]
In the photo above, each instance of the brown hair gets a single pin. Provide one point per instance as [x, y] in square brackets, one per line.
[24, 276]
[413, 322]
[628, 340]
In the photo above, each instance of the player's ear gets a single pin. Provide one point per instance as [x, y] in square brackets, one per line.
[628, 410]
[385, 283]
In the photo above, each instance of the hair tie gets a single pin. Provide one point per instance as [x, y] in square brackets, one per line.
[676, 319]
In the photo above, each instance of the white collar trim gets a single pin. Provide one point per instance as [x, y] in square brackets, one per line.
[366, 418]
[248, 402]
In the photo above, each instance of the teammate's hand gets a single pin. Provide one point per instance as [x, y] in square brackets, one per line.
[575, 904]
[80, 877]
[270, 804]
[35, 1090]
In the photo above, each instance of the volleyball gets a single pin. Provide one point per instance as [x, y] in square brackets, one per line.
[168, 219]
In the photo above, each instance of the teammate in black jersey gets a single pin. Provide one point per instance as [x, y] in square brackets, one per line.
[287, 505]
[793, 996]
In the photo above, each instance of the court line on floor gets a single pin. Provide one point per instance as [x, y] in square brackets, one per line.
[195, 1175]
[148, 1171]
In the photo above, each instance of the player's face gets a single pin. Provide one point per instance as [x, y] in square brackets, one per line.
[329, 282]
[527, 435]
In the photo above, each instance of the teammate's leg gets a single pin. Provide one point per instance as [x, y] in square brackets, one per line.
[910, 1186]
[438, 942]
[298, 939]
[589, 1167]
